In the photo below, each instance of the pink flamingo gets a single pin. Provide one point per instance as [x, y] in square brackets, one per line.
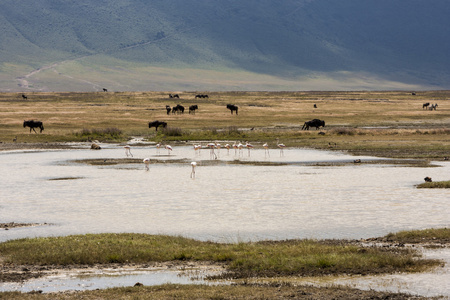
[235, 146]
[240, 146]
[157, 148]
[266, 149]
[249, 147]
[128, 151]
[169, 148]
[197, 149]
[193, 164]
[147, 163]
[281, 146]
[212, 154]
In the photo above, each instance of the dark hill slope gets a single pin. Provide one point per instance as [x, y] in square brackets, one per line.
[405, 41]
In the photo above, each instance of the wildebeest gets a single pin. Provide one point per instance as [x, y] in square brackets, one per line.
[178, 109]
[201, 96]
[433, 106]
[174, 96]
[33, 124]
[168, 109]
[156, 124]
[313, 123]
[24, 97]
[193, 108]
[427, 179]
[232, 108]
[425, 105]
[105, 90]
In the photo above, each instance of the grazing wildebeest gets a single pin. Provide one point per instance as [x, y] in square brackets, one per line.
[313, 123]
[433, 106]
[178, 109]
[156, 124]
[105, 90]
[315, 106]
[232, 108]
[193, 108]
[201, 96]
[33, 124]
[174, 96]
[427, 179]
[24, 97]
[168, 109]
[425, 105]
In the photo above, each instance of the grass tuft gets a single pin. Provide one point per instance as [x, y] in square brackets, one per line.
[269, 258]
[435, 185]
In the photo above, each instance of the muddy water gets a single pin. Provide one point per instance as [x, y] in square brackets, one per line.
[238, 197]
[225, 202]
[91, 279]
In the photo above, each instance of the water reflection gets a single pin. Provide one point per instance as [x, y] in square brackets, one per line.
[225, 202]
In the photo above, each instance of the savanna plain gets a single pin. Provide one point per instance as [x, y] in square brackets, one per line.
[390, 124]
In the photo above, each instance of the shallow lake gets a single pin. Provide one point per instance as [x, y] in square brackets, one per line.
[238, 197]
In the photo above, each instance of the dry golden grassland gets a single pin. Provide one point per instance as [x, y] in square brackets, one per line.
[392, 124]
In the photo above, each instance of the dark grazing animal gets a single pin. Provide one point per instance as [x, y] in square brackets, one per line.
[313, 123]
[105, 90]
[33, 124]
[156, 124]
[193, 108]
[433, 106]
[178, 109]
[24, 97]
[201, 96]
[425, 105]
[428, 179]
[168, 109]
[174, 96]
[232, 108]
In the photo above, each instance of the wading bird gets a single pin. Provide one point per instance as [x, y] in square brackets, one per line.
[169, 148]
[197, 149]
[266, 149]
[212, 154]
[157, 148]
[147, 163]
[128, 151]
[281, 146]
[249, 147]
[193, 164]
[240, 146]
[235, 146]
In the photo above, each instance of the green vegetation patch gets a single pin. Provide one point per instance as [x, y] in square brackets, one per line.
[440, 235]
[435, 185]
[251, 259]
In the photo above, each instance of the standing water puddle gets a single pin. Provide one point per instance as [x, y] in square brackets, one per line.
[244, 196]
[91, 279]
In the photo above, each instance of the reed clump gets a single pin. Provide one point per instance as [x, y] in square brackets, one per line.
[252, 259]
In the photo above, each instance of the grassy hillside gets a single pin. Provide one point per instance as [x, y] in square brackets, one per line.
[361, 44]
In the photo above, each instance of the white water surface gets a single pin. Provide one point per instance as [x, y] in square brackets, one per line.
[224, 203]
[238, 197]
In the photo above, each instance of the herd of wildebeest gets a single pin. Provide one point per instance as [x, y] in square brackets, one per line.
[179, 109]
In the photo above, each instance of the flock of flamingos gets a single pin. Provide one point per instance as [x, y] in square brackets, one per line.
[238, 149]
